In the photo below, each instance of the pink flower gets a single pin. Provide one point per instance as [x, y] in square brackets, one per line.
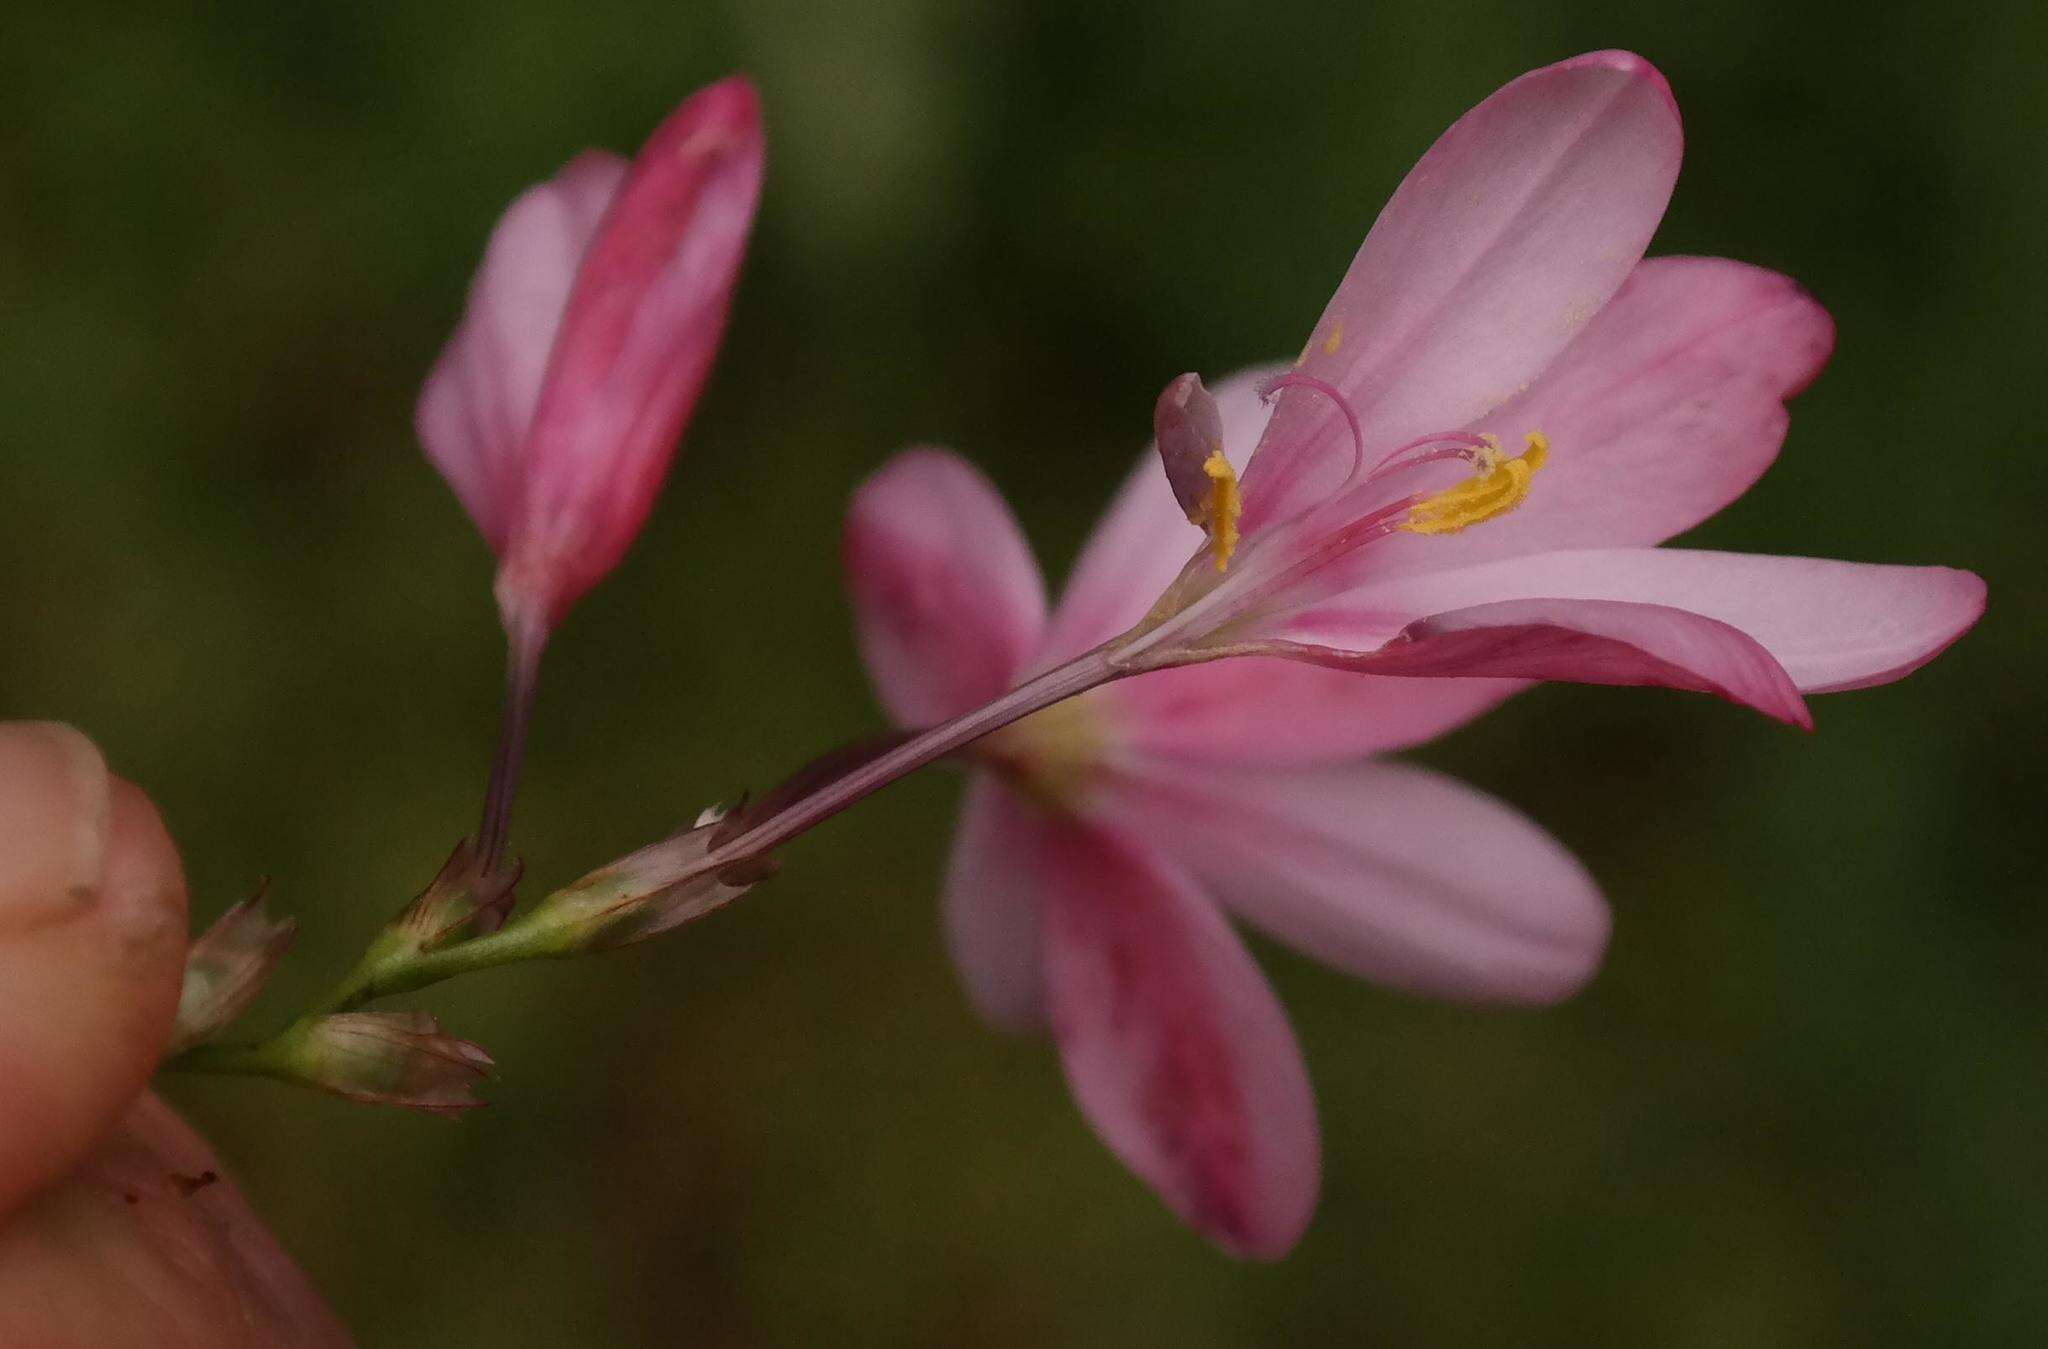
[1104, 839]
[591, 326]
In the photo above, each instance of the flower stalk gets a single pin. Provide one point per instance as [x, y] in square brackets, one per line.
[658, 888]
[765, 832]
[525, 641]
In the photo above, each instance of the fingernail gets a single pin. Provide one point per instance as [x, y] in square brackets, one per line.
[55, 813]
[142, 888]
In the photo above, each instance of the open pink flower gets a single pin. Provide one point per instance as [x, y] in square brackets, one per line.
[1104, 839]
[592, 322]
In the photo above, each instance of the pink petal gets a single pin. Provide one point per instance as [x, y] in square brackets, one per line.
[1174, 1046]
[1144, 539]
[1666, 408]
[1269, 712]
[477, 405]
[946, 598]
[643, 321]
[1500, 245]
[1831, 625]
[994, 894]
[1400, 875]
[1584, 641]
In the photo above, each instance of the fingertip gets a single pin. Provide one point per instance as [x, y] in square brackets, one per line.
[143, 882]
[143, 923]
[148, 1242]
[55, 804]
[92, 926]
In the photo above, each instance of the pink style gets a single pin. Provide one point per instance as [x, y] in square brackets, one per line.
[1389, 570]
[591, 326]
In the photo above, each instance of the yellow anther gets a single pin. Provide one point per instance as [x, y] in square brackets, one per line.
[1220, 507]
[1497, 488]
[1334, 340]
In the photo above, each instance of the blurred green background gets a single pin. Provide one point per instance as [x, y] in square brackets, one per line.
[1804, 1103]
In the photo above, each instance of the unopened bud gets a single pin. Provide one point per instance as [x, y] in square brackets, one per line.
[1189, 429]
[226, 968]
[645, 894]
[590, 331]
[387, 1058]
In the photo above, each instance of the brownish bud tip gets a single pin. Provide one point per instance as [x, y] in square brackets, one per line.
[465, 893]
[227, 967]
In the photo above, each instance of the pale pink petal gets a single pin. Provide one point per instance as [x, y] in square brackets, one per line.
[477, 405]
[1500, 245]
[643, 322]
[995, 893]
[1144, 539]
[1666, 409]
[1583, 641]
[1174, 1045]
[1267, 711]
[946, 598]
[1831, 625]
[1394, 873]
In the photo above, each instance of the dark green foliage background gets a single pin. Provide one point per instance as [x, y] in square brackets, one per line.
[1804, 1103]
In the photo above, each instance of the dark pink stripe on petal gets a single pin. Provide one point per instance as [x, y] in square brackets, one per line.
[1176, 1050]
[1578, 641]
[1831, 625]
[643, 322]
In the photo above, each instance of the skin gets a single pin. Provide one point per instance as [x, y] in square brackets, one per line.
[111, 1231]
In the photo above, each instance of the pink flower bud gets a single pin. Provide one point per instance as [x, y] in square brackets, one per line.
[389, 1058]
[226, 968]
[556, 406]
[1188, 429]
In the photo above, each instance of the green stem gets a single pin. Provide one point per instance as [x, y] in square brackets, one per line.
[258, 1060]
[388, 968]
[396, 962]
